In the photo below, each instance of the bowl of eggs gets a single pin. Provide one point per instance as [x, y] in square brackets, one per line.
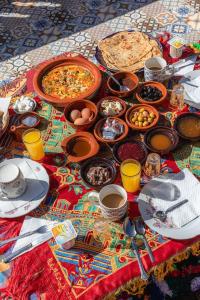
[142, 117]
[81, 114]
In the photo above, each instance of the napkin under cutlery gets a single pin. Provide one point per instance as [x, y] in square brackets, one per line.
[191, 84]
[31, 223]
[188, 187]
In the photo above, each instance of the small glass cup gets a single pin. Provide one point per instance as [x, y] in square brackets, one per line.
[152, 165]
[33, 142]
[177, 97]
[130, 170]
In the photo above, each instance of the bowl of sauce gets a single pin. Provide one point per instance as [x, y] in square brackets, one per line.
[161, 139]
[80, 146]
[188, 126]
[127, 79]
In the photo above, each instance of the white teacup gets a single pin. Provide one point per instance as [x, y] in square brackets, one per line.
[156, 69]
[12, 182]
[112, 208]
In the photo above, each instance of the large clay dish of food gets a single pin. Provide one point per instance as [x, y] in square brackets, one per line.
[66, 79]
[127, 51]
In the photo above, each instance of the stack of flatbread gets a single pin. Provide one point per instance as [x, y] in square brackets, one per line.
[127, 51]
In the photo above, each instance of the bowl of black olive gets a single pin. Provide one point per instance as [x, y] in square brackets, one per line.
[151, 92]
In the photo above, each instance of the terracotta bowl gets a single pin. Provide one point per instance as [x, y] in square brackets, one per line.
[63, 61]
[114, 99]
[137, 107]
[80, 137]
[185, 116]
[80, 104]
[13, 128]
[98, 161]
[125, 78]
[169, 132]
[99, 125]
[140, 145]
[156, 84]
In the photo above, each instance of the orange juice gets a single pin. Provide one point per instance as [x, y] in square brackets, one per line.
[130, 173]
[33, 142]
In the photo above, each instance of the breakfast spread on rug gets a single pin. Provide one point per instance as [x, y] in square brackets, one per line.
[79, 152]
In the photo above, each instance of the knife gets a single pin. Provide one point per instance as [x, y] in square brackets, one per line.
[8, 258]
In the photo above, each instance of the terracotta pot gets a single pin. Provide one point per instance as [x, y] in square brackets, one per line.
[137, 107]
[63, 61]
[99, 125]
[169, 132]
[114, 99]
[126, 78]
[68, 142]
[156, 84]
[80, 104]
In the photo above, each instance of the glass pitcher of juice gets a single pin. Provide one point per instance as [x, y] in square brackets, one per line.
[33, 142]
[130, 170]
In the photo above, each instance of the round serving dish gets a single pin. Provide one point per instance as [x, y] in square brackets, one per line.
[156, 84]
[137, 107]
[169, 132]
[83, 137]
[125, 79]
[98, 161]
[185, 116]
[64, 61]
[99, 125]
[112, 99]
[140, 146]
[79, 105]
[99, 57]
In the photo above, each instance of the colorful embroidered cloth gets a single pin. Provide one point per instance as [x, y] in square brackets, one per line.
[97, 266]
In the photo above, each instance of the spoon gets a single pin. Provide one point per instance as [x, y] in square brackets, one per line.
[139, 225]
[129, 229]
[122, 88]
[162, 215]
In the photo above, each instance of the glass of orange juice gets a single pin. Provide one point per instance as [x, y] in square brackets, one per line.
[130, 170]
[33, 142]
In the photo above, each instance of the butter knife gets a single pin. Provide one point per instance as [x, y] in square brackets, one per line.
[8, 258]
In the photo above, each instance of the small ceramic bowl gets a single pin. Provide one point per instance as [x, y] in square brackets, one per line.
[98, 134]
[81, 140]
[141, 147]
[125, 78]
[137, 107]
[21, 112]
[79, 105]
[22, 124]
[98, 162]
[169, 132]
[156, 84]
[185, 116]
[112, 99]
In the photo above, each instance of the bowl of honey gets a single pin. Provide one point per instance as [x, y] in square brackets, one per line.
[161, 139]
[188, 126]
[80, 146]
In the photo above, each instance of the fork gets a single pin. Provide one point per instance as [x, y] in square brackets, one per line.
[42, 229]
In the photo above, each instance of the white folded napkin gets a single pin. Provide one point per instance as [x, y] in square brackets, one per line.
[184, 66]
[31, 224]
[4, 104]
[192, 89]
[180, 186]
[34, 190]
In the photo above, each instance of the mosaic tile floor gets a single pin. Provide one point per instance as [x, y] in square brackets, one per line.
[33, 31]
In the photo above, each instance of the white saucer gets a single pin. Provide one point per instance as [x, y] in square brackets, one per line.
[12, 208]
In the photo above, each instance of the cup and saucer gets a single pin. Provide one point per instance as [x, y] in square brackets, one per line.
[24, 184]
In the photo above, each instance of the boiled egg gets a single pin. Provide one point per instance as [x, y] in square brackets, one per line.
[80, 121]
[75, 114]
[86, 112]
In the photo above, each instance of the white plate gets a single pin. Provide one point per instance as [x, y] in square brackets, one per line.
[17, 207]
[188, 231]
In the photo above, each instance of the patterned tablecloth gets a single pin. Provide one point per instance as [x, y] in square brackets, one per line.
[96, 267]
